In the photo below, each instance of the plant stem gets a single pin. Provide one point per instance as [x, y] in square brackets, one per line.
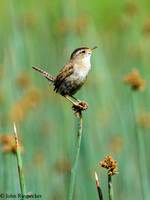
[20, 167]
[75, 161]
[110, 188]
[98, 188]
[5, 173]
[141, 151]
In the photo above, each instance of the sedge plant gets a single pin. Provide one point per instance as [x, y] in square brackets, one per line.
[137, 83]
[20, 166]
[112, 167]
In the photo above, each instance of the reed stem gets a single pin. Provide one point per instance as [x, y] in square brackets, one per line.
[75, 161]
[98, 188]
[141, 150]
[20, 166]
[110, 188]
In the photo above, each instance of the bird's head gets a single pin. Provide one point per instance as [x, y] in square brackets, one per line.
[82, 53]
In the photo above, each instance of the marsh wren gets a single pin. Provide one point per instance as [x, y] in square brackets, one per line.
[73, 75]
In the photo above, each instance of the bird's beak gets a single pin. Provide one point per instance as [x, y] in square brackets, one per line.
[91, 49]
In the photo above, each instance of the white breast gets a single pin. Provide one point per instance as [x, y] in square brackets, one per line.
[83, 67]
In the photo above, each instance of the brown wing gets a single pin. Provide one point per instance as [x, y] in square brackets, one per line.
[66, 71]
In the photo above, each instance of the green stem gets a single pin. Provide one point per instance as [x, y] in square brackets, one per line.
[75, 161]
[20, 166]
[140, 142]
[110, 188]
[21, 175]
[98, 188]
[5, 174]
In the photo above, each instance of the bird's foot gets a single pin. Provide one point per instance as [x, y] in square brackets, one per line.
[75, 98]
[79, 101]
[79, 106]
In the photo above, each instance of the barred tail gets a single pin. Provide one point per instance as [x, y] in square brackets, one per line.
[44, 73]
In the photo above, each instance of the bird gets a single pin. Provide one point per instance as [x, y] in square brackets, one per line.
[73, 75]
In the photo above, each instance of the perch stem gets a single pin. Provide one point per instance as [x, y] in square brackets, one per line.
[75, 161]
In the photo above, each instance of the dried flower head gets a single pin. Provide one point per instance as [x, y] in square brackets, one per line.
[82, 23]
[147, 25]
[144, 119]
[132, 8]
[134, 51]
[23, 80]
[134, 79]
[38, 156]
[25, 104]
[116, 144]
[28, 20]
[110, 164]
[63, 165]
[9, 144]
[1, 71]
[63, 26]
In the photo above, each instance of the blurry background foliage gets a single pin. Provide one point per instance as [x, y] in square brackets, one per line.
[44, 33]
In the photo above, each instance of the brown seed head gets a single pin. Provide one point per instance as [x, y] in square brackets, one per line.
[23, 80]
[134, 79]
[1, 70]
[116, 144]
[63, 165]
[147, 25]
[9, 144]
[144, 119]
[110, 164]
[28, 20]
[132, 8]
[38, 157]
[82, 23]
[63, 26]
[20, 109]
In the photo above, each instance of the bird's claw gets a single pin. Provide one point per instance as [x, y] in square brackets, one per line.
[80, 106]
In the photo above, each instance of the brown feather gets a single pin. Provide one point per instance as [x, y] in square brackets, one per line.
[44, 73]
[63, 74]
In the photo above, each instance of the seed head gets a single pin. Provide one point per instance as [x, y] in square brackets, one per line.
[110, 164]
[134, 79]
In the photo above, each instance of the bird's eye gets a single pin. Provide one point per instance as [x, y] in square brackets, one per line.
[82, 51]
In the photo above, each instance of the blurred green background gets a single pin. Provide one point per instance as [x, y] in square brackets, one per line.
[44, 33]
